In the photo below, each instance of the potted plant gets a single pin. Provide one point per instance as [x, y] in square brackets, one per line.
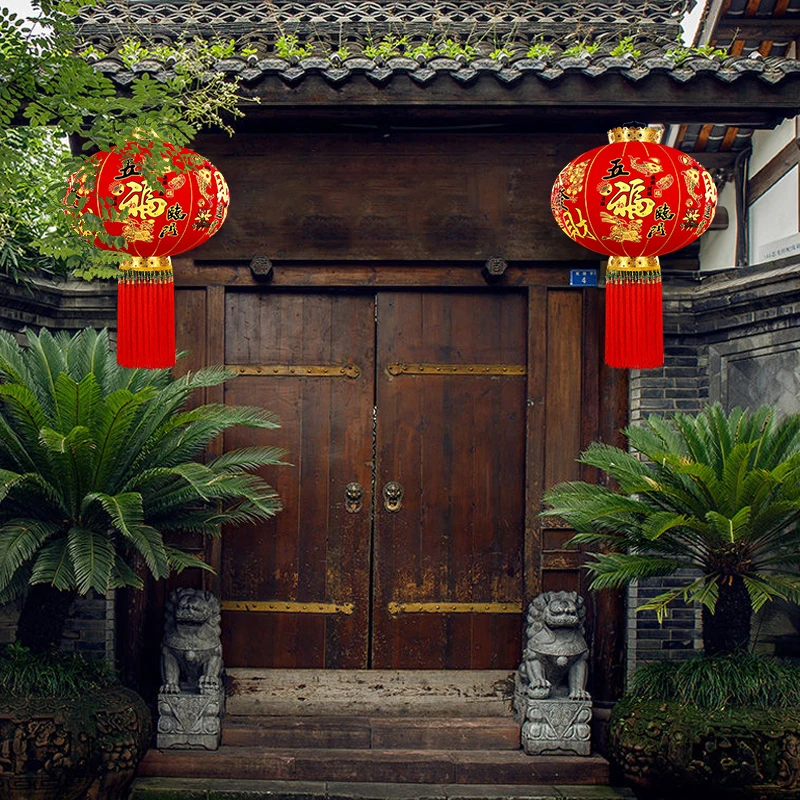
[717, 494]
[96, 463]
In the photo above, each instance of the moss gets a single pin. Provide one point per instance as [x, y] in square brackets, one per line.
[665, 744]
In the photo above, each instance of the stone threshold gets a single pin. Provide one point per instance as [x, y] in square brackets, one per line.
[223, 789]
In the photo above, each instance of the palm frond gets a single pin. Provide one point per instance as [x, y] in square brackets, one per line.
[93, 556]
[53, 565]
[20, 539]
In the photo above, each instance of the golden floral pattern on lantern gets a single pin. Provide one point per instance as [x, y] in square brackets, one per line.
[621, 229]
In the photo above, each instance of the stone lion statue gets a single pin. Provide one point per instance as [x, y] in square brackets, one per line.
[191, 652]
[554, 662]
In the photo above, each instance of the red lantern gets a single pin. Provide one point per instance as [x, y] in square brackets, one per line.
[187, 206]
[634, 199]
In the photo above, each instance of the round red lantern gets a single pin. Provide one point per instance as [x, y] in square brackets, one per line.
[173, 208]
[634, 199]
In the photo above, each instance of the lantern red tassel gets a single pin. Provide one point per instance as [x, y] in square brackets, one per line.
[146, 314]
[634, 326]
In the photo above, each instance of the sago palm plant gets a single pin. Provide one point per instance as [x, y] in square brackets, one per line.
[98, 462]
[718, 494]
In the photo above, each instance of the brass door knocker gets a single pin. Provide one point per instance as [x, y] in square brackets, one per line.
[353, 497]
[392, 496]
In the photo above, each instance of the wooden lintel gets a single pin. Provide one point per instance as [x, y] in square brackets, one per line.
[189, 274]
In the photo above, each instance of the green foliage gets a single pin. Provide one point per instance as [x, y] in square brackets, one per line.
[717, 493]
[501, 54]
[96, 462]
[390, 46]
[682, 53]
[50, 85]
[744, 681]
[543, 50]
[289, 47]
[425, 50]
[453, 48]
[626, 47]
[581, 48]
[53, 674]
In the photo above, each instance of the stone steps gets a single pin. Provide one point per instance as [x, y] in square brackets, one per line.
[227, 789]
[341, 692]
[490, 767]
[381, 733]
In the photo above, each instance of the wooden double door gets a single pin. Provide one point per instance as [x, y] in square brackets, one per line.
[400, 543]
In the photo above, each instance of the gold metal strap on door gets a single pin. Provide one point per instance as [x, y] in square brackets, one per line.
[454, 608]
[286, 607]
[403, 368]
[297, 370]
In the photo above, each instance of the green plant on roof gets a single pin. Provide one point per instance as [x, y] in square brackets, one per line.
[501, 53]
[452, 48]
[540, 50]
[289, 47]
[581, 48]
[718, 494]
[626, 47]
[390, 46]
[680, 54]
[424, 50]
[97, 462]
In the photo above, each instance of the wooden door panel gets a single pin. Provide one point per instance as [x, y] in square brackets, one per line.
[314, 552]
[455, 442]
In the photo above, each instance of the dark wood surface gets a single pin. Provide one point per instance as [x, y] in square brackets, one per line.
[411, 197]
[456, 444]
[314, 550]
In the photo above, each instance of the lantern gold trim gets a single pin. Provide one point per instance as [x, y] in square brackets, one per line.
[635, 134]
[633, 263]
[147, 264]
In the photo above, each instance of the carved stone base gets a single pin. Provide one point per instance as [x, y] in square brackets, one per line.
[190, 721]
[556, 727]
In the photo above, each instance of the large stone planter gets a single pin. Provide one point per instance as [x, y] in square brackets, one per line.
[668, 750]
[83, 748]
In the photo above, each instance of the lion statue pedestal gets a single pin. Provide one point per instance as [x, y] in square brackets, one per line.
[550, 697]
[191, 700]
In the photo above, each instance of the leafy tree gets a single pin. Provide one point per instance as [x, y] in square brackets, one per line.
[96, 463]
[717, 493]
[48, 84]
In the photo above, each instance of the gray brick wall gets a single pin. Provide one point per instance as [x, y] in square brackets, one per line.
[69, 306]
[733, 337]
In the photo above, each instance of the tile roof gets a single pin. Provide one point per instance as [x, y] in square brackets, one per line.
[768, 85]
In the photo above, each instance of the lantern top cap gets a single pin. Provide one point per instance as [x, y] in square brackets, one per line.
[635, 134]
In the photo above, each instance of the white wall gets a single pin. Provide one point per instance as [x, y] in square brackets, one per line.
[775, 214]
[718, 248]
[767, 144]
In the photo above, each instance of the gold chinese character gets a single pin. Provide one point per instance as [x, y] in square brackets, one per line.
[577, 229]
[140, 202]
[628, 201]
[223, 193]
